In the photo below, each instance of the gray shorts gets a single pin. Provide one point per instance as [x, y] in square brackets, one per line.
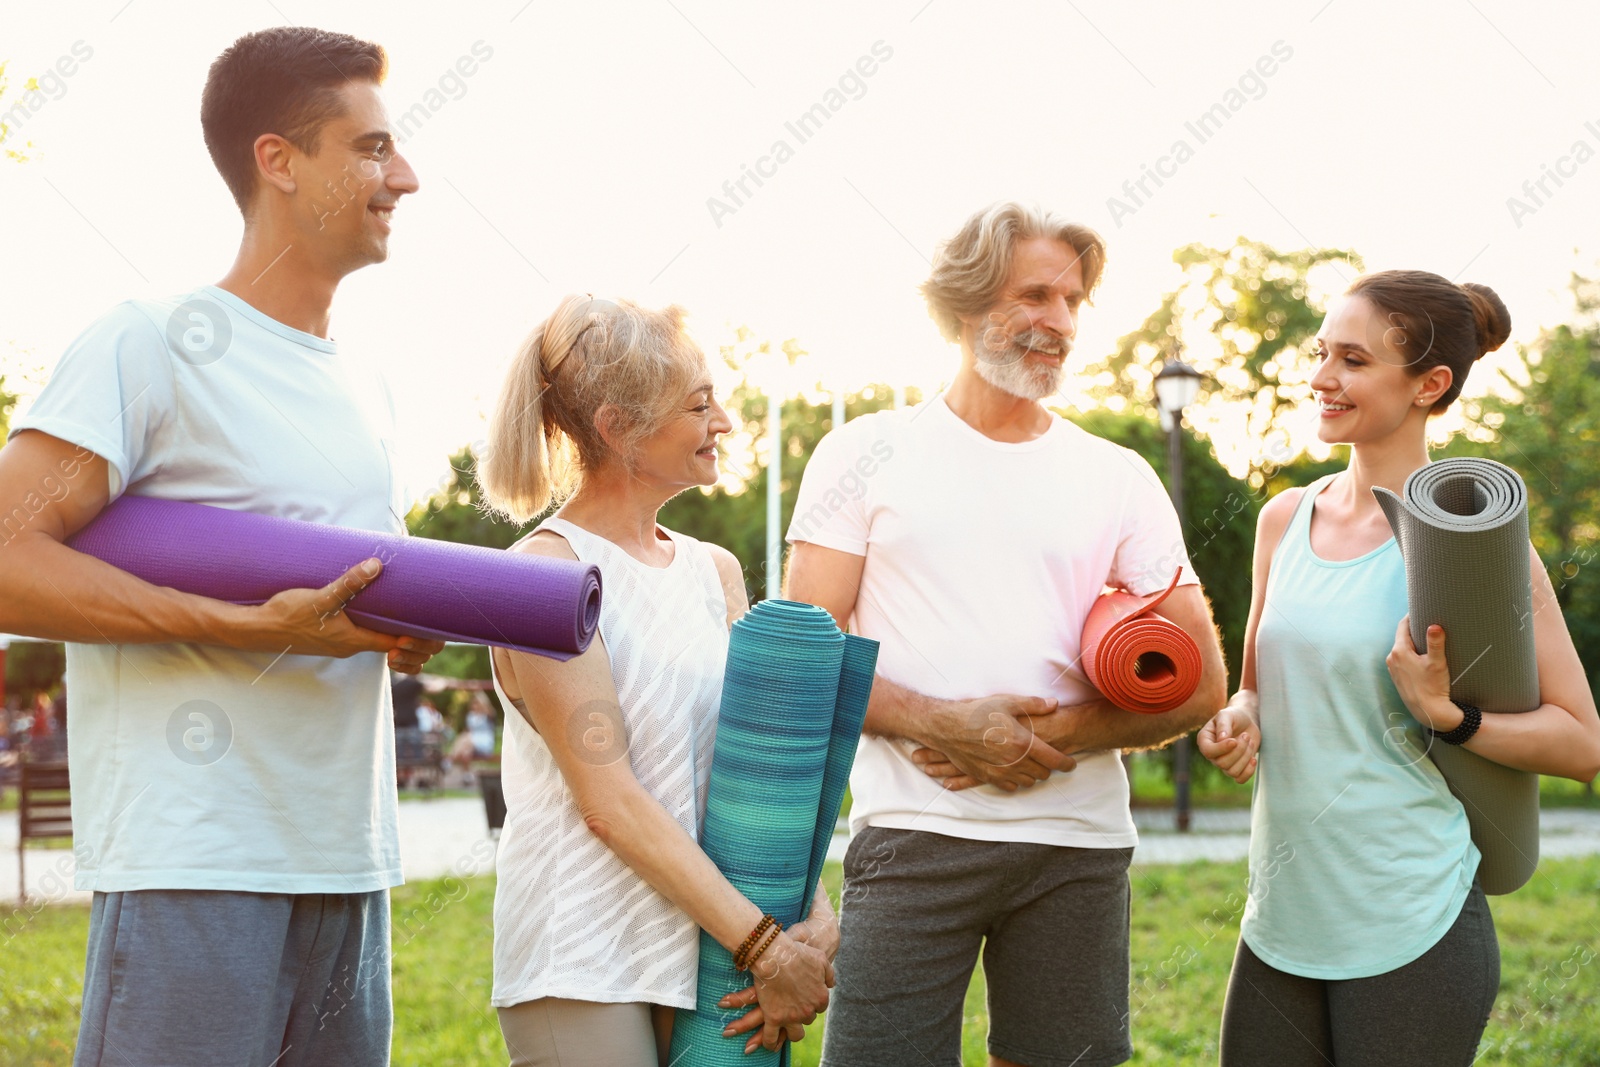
[203, 978]
[1050, 921]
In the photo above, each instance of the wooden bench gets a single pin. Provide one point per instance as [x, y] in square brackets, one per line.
[44, 809]
[418, 759]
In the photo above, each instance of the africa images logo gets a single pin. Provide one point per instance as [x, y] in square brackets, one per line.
[199, 732]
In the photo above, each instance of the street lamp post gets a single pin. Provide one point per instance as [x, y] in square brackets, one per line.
[1177, 383]
[775, 443]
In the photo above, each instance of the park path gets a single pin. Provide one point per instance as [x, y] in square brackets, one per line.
[448, 835]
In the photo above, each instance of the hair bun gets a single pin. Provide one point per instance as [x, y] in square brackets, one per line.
[1490, 314]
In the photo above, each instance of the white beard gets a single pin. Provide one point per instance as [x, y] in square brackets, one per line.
[1008, 369]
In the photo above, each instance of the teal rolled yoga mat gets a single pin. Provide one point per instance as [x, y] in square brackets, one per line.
[1462, 527]
[849, 715]
[793, 699]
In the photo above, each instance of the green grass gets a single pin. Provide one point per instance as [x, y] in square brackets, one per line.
[41, 983]
[1210, 788]
[1185, 924]
[1565, 793]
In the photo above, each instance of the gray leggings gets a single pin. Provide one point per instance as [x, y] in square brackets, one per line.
[1429, 1013]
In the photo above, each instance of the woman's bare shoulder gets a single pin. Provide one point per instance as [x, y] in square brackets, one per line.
[1275, 516]
[545, 543]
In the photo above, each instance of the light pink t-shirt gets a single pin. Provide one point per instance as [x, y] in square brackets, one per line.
[983, 559]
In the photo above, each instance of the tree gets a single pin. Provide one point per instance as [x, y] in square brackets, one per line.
[1218, 521]
[732, 514]
[8, 401]
[13, 151]
[1258, 307]
[457, 512]
[33, 667]
[735, 516]
[1549, 431]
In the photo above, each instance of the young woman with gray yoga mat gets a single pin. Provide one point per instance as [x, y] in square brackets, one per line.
[603, 890]
[1366, 938]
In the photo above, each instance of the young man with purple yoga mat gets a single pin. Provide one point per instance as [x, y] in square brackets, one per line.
[232, 767]
[970, 535]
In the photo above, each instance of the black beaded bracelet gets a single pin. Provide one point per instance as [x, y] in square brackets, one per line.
[1471, 719]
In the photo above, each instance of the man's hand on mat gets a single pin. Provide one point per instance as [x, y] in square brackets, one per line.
[1232, 740]
[993, 741]
[410, 654]
[1423, 681]
[792, 980]
[312, 622]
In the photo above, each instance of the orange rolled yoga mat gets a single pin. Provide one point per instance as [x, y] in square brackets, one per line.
[1137, 659]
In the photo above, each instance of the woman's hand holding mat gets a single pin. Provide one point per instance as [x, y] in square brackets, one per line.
[1462, 529]
[819, 930]
[1423, 680]
[1139, 660]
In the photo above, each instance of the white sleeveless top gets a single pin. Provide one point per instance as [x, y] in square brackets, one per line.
[570, 918]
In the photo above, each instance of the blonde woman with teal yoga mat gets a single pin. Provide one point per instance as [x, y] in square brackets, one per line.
[1366, 938]
[602, 889]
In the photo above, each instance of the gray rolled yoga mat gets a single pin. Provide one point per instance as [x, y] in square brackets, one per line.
[1462, 527]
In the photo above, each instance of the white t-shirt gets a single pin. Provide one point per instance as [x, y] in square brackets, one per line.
[196, 766]
[983, 559]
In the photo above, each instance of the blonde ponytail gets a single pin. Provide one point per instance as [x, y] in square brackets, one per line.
[589, 353]
[514, 472]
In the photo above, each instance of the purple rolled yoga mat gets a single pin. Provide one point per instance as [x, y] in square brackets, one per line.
[433, 589]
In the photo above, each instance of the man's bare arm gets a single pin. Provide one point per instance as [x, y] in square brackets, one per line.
[50, 489]
[989, 738]
[1100, 725]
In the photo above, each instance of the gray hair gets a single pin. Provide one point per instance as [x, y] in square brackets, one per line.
[970, 269]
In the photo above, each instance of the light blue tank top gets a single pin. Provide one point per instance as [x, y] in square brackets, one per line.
[1360, 859]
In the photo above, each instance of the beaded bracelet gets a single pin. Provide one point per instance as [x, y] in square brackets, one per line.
[777, 928]
[739, 960]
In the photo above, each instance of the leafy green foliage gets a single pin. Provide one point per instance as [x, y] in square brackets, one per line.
[1550, 433]
[15, 152]
[457, 511]
[1219, 522]
[34, 667]
[8, 401]
[1258, 305]
[736, 518]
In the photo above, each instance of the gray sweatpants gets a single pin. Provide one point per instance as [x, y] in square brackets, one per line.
[1429, 1013]
[206, 978]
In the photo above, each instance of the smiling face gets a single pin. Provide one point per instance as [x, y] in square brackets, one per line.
[1020, 346]
[1363, 385]
[683, 451]
[345, 194]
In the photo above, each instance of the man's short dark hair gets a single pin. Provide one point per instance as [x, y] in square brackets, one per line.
[286, 81]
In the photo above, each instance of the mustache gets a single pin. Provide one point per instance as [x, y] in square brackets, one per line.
[1037, 340]
[1040, 341]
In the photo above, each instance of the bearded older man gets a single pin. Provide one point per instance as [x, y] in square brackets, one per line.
[971, 535]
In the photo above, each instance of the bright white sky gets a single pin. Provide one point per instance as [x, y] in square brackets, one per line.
[581, 155]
